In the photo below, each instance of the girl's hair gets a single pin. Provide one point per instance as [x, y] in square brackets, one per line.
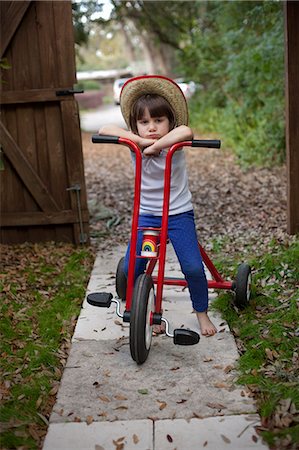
[157, 106]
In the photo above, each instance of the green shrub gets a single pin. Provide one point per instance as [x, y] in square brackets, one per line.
[236, 55]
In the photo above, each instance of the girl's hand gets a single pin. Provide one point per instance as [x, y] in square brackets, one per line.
[145, 143]
[152, 151]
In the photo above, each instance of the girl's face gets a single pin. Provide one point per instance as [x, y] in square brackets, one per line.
[152, 127]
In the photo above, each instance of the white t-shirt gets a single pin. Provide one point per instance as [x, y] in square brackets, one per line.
[152, 184]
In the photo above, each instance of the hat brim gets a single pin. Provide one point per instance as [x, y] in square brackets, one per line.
[154, 84]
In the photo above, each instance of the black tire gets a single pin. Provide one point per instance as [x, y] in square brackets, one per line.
[243, 285]
[143, 302]
[121, 280]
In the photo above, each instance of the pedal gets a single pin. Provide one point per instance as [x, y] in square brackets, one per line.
[185, 337]
[100, 299]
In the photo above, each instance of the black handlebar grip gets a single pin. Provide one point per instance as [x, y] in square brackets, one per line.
[206, 143]
[102, 139]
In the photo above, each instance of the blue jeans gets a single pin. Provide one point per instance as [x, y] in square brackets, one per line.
[182, 234]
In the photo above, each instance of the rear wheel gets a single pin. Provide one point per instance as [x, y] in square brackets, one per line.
[143, 305]
[243, 286]
[121, 280]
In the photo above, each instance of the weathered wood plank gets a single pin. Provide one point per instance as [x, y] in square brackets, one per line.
[64, 38]
[56, 155]
[46, 37]
[26, 172]
[33, 96]
[25, 219]
[11, 13]
[291, 9]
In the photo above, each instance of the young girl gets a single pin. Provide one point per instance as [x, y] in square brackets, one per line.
[156, 113]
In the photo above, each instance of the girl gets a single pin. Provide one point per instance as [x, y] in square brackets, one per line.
[156, 113]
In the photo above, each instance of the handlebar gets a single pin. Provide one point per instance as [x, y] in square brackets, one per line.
[206, 143]
[102, 139]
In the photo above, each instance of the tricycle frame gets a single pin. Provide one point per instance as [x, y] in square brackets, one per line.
[160, 280]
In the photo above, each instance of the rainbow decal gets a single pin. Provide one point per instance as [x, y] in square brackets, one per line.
[149, 246]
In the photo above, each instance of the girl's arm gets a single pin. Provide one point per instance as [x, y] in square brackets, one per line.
[178, 134]
[114, 130]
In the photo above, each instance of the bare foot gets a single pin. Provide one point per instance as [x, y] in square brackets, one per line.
[159, 329]
[207, 328]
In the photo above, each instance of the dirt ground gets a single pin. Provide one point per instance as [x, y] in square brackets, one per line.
[236, 207]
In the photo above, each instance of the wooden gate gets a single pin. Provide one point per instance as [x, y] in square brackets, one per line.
[43, 194]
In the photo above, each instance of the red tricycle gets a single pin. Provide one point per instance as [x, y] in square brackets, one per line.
[143, 301]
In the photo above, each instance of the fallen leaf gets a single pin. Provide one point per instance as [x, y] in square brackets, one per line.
[135, 439]
[215, 405]
[162, 405]
[120, 397]
[103, 398]
[269, 354]
[119, 443]
[169, 438]
[54, 390]
[226, 440]
[120, 446]
[221, 385]
[143, 391]
[198, 416]
[228, 369]
[119, 440]
[121, 407]
[89, 420]
[183, 400]
[218, 366]
[33, 431]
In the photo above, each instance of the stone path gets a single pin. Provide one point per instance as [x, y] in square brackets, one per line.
[181, 398]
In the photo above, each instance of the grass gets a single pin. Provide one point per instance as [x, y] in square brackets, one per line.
[42, 288]
[267, 336]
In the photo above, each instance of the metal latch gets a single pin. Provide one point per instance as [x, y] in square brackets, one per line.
[69, 92]
[77, 189]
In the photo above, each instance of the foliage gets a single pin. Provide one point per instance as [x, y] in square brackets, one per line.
[165, 21]
[235, 54]
[42, 287]
[88, 85]
[83, 10]
[268, 341]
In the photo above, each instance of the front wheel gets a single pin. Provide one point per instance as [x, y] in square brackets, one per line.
[143, 305]
[243, 286]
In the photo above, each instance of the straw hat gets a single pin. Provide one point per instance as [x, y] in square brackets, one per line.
[154, 84]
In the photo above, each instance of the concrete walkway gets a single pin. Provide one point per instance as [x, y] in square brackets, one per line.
[181, 398]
